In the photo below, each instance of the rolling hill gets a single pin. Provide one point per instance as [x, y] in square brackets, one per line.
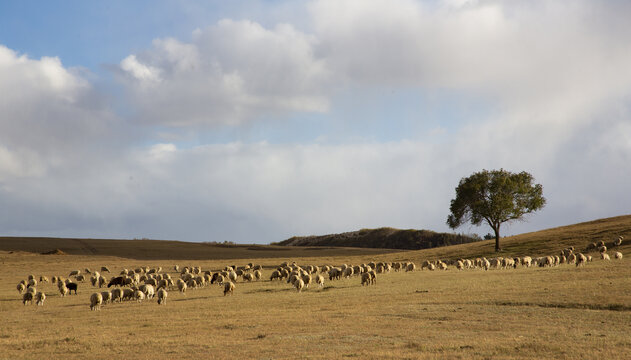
[388, 238]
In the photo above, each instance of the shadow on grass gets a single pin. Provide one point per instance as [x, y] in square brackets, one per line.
[609, 307]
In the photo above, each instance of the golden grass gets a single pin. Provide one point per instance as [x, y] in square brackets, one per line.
[538, 313]
[562, 312]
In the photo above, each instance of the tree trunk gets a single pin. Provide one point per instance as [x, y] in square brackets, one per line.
[497, 238]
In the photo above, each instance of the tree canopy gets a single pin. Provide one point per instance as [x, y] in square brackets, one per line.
[495, 197]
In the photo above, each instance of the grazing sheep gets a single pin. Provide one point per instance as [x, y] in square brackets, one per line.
[117, 294]
[306, 278]
[459, 265]
[117, 281]
[105, 269]
[96, 300]
[94, 281]
[600, 243]
[181, 285]
[75, 273]
[162, 296]
[30, 277]
[257, 274]
[299, 284]
[107, 296]
[441, 265]
[27, 297]
[43, 279]
[87, 271]
[31, 290]
[604, 256]
[72, 286]
[319, 279]
[248, 277]
[366, 279]
[526, 261]
[139, 296]
[580, 259]
[148, 290]
[63, 290]
[39, 298]
[232, 276]
[431, 267]
[617, 255]
[21, 288]
[102, 281]
[589, 258]
[571, 259]
[618, 241]
[31, 283]
[348, 272]
[228, 288]
[128, 294]
[410, 267]
[602, 249]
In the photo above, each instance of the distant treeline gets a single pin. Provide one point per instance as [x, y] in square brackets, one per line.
[388, 238]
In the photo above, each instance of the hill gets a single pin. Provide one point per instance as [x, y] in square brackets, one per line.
[167, 249]
[388, 238]
[539, 243]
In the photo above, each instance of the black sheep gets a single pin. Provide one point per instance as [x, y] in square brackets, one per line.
[117, 281]
[72, 286]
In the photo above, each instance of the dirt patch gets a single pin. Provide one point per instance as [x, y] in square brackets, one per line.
[54, 252]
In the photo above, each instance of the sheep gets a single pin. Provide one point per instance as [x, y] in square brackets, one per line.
[105, 269]
[348, 272]
[181, 285]
[602, 249]
[117, 281]
[30, 277]
[441, 265]
[589, 258]
[53, 279]
[87, 270]
[526, 261]
[72, 286]
[139, 296]
[319, 279]
[96, 300]
[618, 241]
[43, 279]
[21, 288]
[410, 267]
[459, 265]
[102, 281]
[365, 279]
[162, 296]
[117, 294]
[604, 256]
[39, 298]
[27, 297]
[571, 259]
[617, 255]
[75, 273]
[128, 294]
[257, 274]
[335, 273]
[107, 296]
[299, 284]
[306, 278]
[31, 290]
[31, 283]
[228, 288]
[63, 289]
[431, 267]
[580, 259]
[148, 290]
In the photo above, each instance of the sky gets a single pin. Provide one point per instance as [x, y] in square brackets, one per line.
[254, 121]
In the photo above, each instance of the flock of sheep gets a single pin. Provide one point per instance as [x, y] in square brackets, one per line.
[146, 283]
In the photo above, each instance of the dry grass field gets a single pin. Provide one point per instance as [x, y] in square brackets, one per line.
[561, 312]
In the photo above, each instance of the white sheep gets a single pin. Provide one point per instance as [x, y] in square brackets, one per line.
[228, 288]
[148, 290]
[181, 285]
[139, 296]
[63, 290]
[617, 255]
[257, 274]
[162, 296]
[39, 298]
[602, 249]
[75, 273]
[319, 279]
[96, 300]
[43, 279]
[299, 284]
[604, 256]
[21, 287]
[366, 279]
[107, 296]
[410, 267]
[618, 241]
[31, 283]
[117, 294]
[580, 259]
[248, 277]
[306, 278]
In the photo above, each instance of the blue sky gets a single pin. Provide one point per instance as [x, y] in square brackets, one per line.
[257, 121]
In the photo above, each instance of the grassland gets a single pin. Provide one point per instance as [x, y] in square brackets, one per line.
[562, 312]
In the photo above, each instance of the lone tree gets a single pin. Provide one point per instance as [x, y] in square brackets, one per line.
[495, 197]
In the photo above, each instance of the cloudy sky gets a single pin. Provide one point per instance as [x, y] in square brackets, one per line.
[253, 121]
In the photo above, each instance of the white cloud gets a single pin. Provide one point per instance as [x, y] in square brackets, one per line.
[230, 73]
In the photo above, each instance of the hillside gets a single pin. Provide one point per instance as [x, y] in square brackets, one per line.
[388, 238]
[544, 242]
[167, 249]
